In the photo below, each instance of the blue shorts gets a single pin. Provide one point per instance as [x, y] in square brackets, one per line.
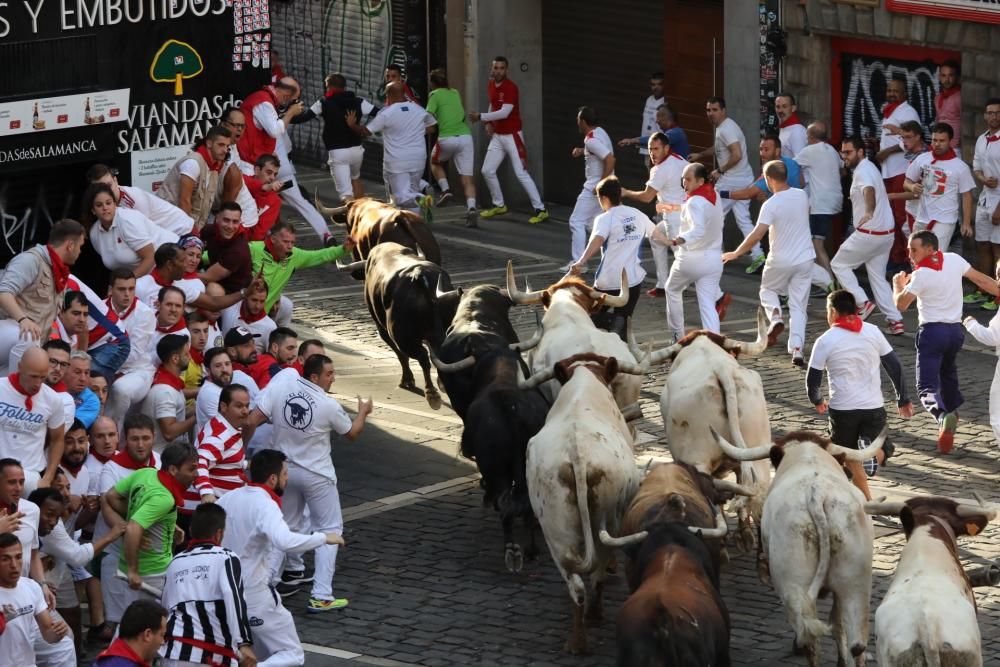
[820, 224]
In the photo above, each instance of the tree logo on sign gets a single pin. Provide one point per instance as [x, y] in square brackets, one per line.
[174, 62]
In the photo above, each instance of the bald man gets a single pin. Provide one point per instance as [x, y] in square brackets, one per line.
[821, 165]
[263, 125]
[403, 125]
[34, 413]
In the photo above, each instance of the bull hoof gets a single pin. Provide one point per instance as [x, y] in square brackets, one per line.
[433, 399]
[513, 557]
[746, 541]
[408, 383]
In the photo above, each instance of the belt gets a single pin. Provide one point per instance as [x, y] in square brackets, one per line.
[868, 231]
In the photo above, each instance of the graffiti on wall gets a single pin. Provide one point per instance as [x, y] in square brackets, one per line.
[864, 80]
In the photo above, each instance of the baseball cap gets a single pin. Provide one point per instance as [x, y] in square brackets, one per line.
[238, 336]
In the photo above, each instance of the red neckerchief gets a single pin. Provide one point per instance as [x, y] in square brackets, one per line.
[949, 155]
[297, 365]
[181, 324]
[160, 280]
[849, 322]
[16, 384]
[991, 138]
[274, 496]
[197, 356]
[247, 317]
[791, 120]
[197, 543]
[163, 376]
[100, 457]
[190, 275]
[269, 246]
[948, 92]
[120, 649]
[173, 486]
[237, 366]
[934, 261]
[333, 91]
[128, 311]
[887, 109]
[60, 271]
[704, 190]
[123, 458]
[59, 387]
[212, 164]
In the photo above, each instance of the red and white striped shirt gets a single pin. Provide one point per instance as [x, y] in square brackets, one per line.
[221, 459]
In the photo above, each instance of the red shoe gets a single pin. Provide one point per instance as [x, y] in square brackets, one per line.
[946, 434]
[777, 326]
[657, 293]
[723, 304]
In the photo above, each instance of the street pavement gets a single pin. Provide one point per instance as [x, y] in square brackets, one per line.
[423, 568]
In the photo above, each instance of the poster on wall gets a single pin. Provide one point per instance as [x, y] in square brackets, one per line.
[770, 63]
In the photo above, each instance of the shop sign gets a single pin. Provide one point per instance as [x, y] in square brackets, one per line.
[981, 11]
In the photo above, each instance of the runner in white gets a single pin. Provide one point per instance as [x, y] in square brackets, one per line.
[732, 171]
[649, 124]
[785, 217]
[821, 165]
[304, 416]
[664, 185]
[872, 238]
[599, 162]
[250, 313]
[986, 170]
[791, 131]
[940, 178]
[139, 321]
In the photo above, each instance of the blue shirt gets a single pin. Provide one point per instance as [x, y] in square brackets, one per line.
[794, 175]
[87, 407]
[678, 141]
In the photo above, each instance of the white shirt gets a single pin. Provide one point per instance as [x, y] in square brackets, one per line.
[94, 468]
[129, 232]
[303, 417]
[22, 432]
[265, 117]
[895, 164]
[111, 474]
[786, 214]
[596, 146]
[987, 160]
[140, 324]
[161, 212]
[623, 229]
[161, 402]
[403, 137]
[793, 139]
[255, 527]
[649, 124]
[206, 405]
[69, 409]
[821, 164]
[867, 176]
[939, 293]
[944, 181]
[231, 317]
[19, 635]
[853, 365]
[27, 533]
[701, 226]
[740, 175]
[147, 290]
[665, 178]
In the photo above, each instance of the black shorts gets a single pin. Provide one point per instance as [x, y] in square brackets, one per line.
[820, 224]
[847, 427]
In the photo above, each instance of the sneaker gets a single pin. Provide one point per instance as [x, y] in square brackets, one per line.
[472, 218]
[286, 590]
[318, 606]
[896, 328]
[296, 577]
[541, 215]
[657, 292]
[757, 264]
[974, 297]
[797, 359]
[722, 305]
[866, 309]
[870, 467]
[946, 433]
[888, 450]
[444, 198]
[777, 326]
[989, 305]
[490, 212]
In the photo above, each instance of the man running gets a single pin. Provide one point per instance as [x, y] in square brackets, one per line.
[599, 162]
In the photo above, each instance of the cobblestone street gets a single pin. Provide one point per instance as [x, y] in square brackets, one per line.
[424, 563]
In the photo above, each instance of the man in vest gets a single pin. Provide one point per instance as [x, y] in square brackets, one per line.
[263, 126]
[31, 290]
[192, 184]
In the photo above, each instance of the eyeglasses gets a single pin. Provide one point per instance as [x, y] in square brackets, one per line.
[59, 364]
[993, 113]
[237, 125]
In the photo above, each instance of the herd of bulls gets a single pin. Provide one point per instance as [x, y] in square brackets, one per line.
[552, 439]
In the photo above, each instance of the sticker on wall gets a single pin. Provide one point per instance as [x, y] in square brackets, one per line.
[174, 62]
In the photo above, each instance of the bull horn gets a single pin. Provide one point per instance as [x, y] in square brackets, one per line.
[327, 210]
[972, 511]
[664, 355]
[986, 575]
[454, 366]
[529, 344]
[516, 295]
[882, 508]
[420, 254]
[631, 368]
[739, 453]
[613, 301]
[439, 291]
[621, 542]
[536, 379]
[632, 412]
[717, 533]
[353, 266]
[732, 487]
[863, 455]
[756, 348]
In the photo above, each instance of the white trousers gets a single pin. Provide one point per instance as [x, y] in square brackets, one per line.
[345, 166]
[581, 221]
[872, 251]
[127, 391]
[704, 269]
[661, 253]
[275, 641]
[795, 282]
[293, 197]
[12, 347]
[741, 211]
[942, 230]
[318, 493]
[404, 187]
[113, 589]
[501, 146]
[820, 277]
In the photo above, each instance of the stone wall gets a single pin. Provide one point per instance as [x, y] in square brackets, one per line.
[807, 65]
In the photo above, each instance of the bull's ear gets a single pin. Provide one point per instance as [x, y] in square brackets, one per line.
[546, 299]
[610, 369]
[906, 518]
[777, 453]
[561, 370]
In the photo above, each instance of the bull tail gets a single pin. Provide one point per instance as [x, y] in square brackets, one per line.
[424, 239]
[801, 604]
[818, 516]
[731, 396]
[586, 528]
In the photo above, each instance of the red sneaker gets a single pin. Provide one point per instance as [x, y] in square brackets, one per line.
[722, 305]
[657, 293]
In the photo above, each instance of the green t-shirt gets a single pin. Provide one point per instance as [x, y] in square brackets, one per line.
[445, 104]
[152, 506]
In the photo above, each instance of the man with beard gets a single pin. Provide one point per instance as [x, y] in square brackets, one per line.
[941, 179]
[139, 320]
[895, 112]
[165, 400]
[986, 170]
[255, 528]
[282, 351]
[74, 456]
[791, 130]
[220, 374]
[221, 453]
[251, 315]
[59, 352]
[228, 249]
[233, 187]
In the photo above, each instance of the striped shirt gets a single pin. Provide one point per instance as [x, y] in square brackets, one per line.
[221, 461]
[203, 593]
